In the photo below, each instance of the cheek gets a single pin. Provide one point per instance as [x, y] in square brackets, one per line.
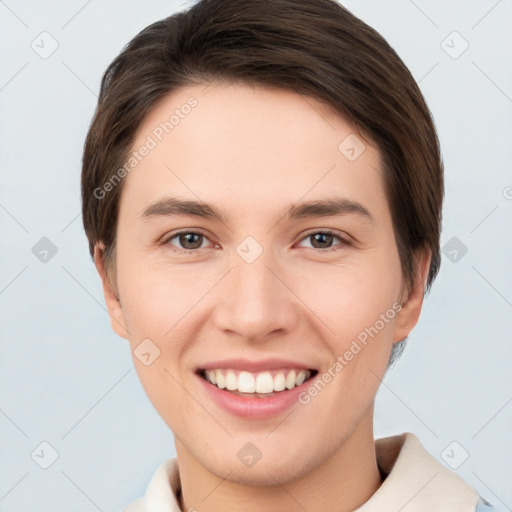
[156, 299]
[159, 300]
[349, 297]
[357, 304]
[157, 307]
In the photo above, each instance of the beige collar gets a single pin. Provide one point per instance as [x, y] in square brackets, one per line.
[415, 482]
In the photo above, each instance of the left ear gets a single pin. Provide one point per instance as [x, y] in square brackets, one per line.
[408, 316]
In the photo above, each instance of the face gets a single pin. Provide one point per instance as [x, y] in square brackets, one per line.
[265, 280]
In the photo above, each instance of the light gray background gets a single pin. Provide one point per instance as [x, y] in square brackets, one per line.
[68, 380]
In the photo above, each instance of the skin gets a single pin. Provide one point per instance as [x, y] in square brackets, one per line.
[252, 152]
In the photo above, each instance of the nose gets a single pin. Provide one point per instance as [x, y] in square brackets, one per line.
[256, 300]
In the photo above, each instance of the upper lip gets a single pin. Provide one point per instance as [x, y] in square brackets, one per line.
[254, 366]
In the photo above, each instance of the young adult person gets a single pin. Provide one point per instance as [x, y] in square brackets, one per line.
[262, 191]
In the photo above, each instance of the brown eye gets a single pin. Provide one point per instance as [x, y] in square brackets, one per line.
[190, 240]
[324, 240]
[186, 241]
[321, 240]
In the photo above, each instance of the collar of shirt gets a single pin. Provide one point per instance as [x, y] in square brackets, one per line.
[414, 482]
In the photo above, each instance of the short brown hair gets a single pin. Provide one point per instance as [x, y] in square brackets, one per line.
[314, 47]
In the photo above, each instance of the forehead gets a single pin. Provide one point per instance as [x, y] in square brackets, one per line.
[249, 146]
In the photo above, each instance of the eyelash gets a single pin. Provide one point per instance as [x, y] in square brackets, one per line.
[343, 241]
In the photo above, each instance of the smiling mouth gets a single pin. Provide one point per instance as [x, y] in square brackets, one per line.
[257, 384]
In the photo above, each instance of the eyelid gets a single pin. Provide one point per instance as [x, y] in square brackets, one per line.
[344, 238]
[169, 236]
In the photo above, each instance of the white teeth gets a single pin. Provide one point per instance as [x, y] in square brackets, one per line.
[220, 380]
[279, 382]
[301, 377]
[263, 382]
[246, 383]
[231, 381]
[290, 380]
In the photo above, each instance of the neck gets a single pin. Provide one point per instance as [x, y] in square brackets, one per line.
[341, 483]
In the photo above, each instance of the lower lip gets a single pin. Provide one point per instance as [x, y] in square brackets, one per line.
[253, 408]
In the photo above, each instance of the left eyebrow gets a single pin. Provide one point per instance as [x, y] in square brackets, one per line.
[327, 208]
[319, 208]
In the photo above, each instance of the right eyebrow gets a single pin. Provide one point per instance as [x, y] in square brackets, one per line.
[175, 206]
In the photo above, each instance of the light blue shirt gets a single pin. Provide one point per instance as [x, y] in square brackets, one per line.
[484, 506]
